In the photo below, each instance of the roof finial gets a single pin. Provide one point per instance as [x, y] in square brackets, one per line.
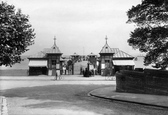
[54, 40]
[106, 39]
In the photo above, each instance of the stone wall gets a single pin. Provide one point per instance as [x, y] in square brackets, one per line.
[148, 82]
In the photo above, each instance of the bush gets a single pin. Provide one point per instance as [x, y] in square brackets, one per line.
[157, 73]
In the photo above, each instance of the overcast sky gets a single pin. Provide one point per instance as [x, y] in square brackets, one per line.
[79, 25]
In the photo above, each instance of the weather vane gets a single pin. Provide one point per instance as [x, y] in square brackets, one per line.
[106, 38]
[54, 40]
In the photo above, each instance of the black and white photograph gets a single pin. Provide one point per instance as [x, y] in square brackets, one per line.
[83, 57]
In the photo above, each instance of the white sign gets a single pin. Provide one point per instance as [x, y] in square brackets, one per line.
[57, 66]
[102, 66]
[50, 72]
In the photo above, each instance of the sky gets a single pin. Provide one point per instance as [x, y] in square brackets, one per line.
[79, 25]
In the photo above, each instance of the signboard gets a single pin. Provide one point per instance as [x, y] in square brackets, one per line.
[50, 72]
[102, 66]
[57, 66]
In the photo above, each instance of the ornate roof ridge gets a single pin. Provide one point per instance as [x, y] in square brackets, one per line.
[106, 48]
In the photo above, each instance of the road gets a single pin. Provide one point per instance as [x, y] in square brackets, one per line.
[41, 96]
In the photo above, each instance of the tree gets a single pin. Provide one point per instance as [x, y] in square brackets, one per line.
[151, 32]
[16, 34]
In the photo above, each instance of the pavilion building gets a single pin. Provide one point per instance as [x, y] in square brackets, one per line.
[46, 62]
[113, 59]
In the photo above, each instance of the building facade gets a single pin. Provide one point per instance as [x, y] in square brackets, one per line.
[46, 62]
[112, 60]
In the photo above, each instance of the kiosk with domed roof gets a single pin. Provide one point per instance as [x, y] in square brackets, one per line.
[47, 62]
[106, 56]
[113, 59]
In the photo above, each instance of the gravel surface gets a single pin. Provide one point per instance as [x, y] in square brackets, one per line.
[65, 97]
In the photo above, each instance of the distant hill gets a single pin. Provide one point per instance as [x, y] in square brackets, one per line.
[22, 65]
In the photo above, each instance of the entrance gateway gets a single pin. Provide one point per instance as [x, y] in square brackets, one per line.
[50, 61]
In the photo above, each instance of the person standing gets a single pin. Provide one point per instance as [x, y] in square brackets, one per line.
[56, 75]
[81, 70]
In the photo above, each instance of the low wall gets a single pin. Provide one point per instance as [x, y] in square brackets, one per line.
[14, 72]
[148, 82]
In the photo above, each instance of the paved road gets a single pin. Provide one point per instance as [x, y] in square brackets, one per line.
[38, 96]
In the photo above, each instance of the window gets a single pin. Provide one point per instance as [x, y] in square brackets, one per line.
[53, 62]
[107, 61]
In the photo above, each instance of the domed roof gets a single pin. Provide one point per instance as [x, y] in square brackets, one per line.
[53, 50]
[75, 54]
[106, 49]
[92, 54]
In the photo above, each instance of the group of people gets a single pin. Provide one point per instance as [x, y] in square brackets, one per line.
[87, 73]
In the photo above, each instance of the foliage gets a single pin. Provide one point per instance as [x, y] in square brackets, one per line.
[16, 34]
[69, 62]
[156, 73]
[151, 33]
